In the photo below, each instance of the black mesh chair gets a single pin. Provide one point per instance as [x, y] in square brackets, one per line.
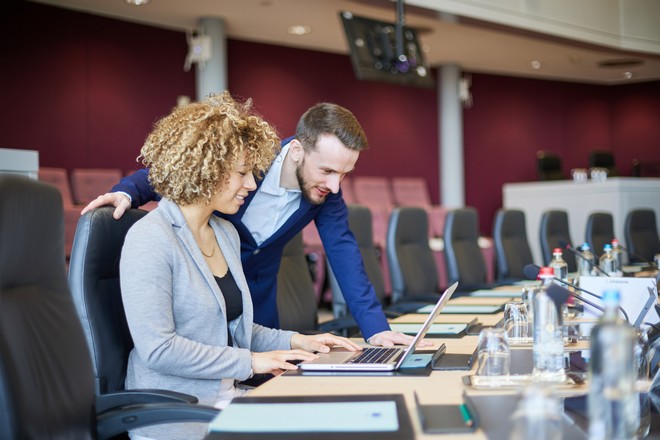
[512, 251]
[641, 231]
[549, 166]
[296, 299]
[465, 262]
[413, 270]
[599, 231]
[553, 231]
[603, 159]
[360, 223]
[47, 387]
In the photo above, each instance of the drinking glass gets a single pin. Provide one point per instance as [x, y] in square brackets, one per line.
[580, 175]
[494, 352]
[516, 322]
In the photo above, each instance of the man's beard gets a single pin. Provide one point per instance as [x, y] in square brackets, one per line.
[302, 184]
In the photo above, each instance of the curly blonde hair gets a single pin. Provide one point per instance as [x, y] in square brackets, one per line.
[191, 151]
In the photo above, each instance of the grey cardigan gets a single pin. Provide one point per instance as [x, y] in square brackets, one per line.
[177, 316]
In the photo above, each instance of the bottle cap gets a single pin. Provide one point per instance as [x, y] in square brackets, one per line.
[547, 272]
[556, 251]
[611, 296]
[585, 247]
[615, 242]
[607, 247]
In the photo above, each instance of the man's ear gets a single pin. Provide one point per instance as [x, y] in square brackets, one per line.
[296, 150]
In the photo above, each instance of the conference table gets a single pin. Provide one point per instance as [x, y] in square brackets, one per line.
[438, 387]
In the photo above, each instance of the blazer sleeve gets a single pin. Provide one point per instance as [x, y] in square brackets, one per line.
[346, 262]
[138, 187]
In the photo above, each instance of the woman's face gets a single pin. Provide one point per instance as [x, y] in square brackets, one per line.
[233, 192]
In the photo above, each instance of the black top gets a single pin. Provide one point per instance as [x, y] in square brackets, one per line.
[233, 299]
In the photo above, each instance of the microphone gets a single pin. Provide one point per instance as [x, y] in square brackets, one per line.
[565, 245]
[637, 256]
[531, 271]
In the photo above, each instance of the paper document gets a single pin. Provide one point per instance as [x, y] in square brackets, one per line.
[489, 293]
[473, 309]
[442, 329]
[375, 416]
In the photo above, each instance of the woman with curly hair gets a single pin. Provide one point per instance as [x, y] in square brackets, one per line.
[186, 298]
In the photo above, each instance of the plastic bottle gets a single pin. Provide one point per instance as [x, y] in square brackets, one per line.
[587, 262]
[558, 264]
[607, 262]
[538, 415]
[613, 403]
[617, 253]
[548, 347]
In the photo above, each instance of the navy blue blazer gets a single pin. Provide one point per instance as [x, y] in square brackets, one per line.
[261, 263]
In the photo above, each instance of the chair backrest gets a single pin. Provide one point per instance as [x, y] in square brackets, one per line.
[359, 221]
[373, 192]
[46, 387]
[548, 166]
[411, 191]
[296, 299]
[347, 190]
[512, 250]
[413, 270]
[463, 257]
[599, 231]
[552, 231]
[94, 284]
[59, 178]
[88, 183]
[603, 159]
[641, 231]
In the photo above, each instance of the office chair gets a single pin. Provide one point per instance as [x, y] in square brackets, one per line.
[463, 257]
[603, 159]
[413, 268]
[296, 300]
[46, 374]
[599, 231]
[511, 245]
[359, 221]
[552, 231]
[641, 233]
[548, 166]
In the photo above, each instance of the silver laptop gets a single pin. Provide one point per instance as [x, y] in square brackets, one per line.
[376, 358]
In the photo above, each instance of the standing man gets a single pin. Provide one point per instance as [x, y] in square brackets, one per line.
[302, 184]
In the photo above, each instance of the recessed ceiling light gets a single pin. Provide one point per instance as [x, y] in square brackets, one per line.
[138, 2]
[299, 29]
[536, 64]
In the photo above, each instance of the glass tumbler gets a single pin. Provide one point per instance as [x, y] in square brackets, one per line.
[493, 352]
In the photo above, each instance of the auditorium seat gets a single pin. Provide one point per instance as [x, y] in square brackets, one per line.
[89, 183]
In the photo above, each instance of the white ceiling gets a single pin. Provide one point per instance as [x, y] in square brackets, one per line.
[475, 46]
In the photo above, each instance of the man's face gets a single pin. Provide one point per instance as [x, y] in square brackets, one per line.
[321, 171]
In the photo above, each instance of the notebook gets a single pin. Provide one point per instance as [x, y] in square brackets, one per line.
[376, 358]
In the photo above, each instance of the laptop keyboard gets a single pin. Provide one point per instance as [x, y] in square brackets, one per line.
[375, 356]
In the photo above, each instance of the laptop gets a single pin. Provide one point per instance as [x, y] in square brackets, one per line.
[376, 358]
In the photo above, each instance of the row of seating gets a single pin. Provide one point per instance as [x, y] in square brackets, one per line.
[77, 190]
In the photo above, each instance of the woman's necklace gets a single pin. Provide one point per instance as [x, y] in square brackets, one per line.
[212, 250]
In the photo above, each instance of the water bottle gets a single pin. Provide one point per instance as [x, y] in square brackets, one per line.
[643, 356]
[587, 262]
[548, 346]
[538, 415]
[613, 403]
[558, 265]
[607, 262]
[617, 253]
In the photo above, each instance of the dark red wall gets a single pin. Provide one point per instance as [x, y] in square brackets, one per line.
[85, 91]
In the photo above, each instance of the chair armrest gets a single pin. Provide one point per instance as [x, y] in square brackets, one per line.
[117, 421]
[108, 401]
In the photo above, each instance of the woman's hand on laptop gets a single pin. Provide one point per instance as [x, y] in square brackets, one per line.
[271, 361]
[322, 343]
[389, 338]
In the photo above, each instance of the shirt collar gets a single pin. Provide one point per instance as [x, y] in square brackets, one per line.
[271, 184]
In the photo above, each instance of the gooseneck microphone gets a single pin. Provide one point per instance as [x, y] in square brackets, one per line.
[565, 245]
[531, 271]
[638, 257]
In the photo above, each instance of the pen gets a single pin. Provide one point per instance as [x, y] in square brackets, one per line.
[467, 418]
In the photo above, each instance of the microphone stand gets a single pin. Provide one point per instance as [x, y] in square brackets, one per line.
[583, 299]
